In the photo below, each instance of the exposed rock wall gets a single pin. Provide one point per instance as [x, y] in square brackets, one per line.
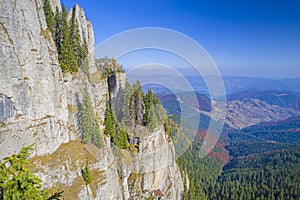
[152, 168]
[31, 81]
[54, 4]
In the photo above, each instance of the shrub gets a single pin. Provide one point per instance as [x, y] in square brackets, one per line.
[86, 174]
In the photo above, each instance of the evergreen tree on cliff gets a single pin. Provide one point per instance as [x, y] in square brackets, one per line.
[85, 50]
[76, 39]
[57, 29]
[125, 111]
[109, 121]
[151, 115]
[118, 135]
[66, 56]
[137, 104]
[49, 16]
[88, 122]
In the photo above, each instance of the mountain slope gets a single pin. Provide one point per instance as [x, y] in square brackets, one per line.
[253, 107]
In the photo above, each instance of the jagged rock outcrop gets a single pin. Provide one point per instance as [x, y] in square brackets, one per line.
[54, 4]
[38, 104]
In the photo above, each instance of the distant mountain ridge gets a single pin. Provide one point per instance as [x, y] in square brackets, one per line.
[238, 84]
[244, 109]
[249, 108]
[232, 85]
[285, 99]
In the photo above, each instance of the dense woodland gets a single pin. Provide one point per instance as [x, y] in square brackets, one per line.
[264, 161]
[273, 175]
[266, 170]
[263, 165]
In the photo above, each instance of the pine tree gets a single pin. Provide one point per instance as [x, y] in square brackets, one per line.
[88, 122]
[49, 16]
[167, 128]
[153, 117]
[57, 30]
[76, 39]
[147, 102]
[120, 139]
[109, 121]
[125, 112]
[17, 182]
[85, 50]
[84, 58]
[159, 111]
[137, 104]
[86, 174]
[66, 56]
[118, 135]
[153, 111]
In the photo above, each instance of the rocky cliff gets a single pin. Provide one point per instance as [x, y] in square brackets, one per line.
[39, 104]
[34, 101]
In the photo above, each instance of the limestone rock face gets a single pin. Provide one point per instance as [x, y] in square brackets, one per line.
[153, 168]
[86, 31]
[75, 86]
[31, 86]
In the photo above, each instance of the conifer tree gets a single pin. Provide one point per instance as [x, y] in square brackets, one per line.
[137, 104]
[120, 139]
[49, 16]
[153, 117]
[17, 182]
[167, 128]
[66, 56]
[84, 58]
[118, 135]
[160, 112]
[85, 50]
[76, 39]
[125, 112]
[86, 174]
[88, 122]
[109, 121]
[57, 29]
[153, 111]
[147, 101]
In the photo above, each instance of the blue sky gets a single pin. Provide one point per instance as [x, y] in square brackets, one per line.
[245, 38]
